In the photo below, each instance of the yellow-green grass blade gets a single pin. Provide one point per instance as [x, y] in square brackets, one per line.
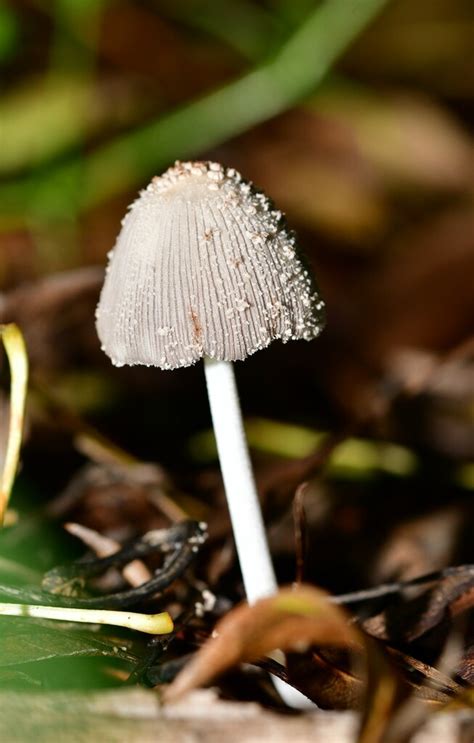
[14, 344]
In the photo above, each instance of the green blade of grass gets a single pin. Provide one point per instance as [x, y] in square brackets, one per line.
[267, 90]
[14, 344]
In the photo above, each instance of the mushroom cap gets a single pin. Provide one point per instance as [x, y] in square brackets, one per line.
[203, 266]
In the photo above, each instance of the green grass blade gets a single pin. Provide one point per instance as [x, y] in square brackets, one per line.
[14, 344]
[280, 82]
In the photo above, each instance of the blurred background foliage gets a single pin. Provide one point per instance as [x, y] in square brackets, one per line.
[356, 118]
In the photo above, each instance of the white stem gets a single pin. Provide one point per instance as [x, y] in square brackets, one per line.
[242, 498]
[154, 624]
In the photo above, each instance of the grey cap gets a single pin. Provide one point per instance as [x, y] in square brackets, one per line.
[203, 266]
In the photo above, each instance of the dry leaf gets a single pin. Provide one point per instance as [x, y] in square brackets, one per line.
[293, 619]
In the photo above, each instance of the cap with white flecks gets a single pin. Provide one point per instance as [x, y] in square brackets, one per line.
[203, 266]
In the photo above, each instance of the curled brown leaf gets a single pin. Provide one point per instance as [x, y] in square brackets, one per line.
[293, 620]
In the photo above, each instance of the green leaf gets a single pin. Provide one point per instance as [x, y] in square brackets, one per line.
[27, 644]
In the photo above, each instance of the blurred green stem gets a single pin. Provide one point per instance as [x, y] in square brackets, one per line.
[269, 89]
[71, 19]
[74, 21]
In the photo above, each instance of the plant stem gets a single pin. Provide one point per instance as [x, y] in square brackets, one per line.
[14, 343]
[153, 624]
[242, 498]
[268, 89]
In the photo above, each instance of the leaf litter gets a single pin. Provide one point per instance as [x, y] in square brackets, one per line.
[374, 650]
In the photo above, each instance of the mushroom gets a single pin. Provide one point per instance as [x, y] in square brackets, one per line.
[205, 268]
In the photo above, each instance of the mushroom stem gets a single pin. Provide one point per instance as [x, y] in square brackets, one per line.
[242, 498]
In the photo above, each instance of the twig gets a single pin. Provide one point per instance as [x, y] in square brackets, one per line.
[180, 543]
[299, 519]
[135, 573]
[386, 589]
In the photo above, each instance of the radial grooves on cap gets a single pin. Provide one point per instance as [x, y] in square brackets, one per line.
[207, 289]
[255, 288]
[203, 266]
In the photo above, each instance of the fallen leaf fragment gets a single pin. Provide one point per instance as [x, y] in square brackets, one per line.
[292, 620]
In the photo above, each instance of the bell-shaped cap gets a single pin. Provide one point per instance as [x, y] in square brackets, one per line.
[203, 266]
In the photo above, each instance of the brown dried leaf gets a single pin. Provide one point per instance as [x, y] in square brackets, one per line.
[430, 684]
[383, 697]
[323, 676]
[447, 596]
[466, 667]
[293, 619]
